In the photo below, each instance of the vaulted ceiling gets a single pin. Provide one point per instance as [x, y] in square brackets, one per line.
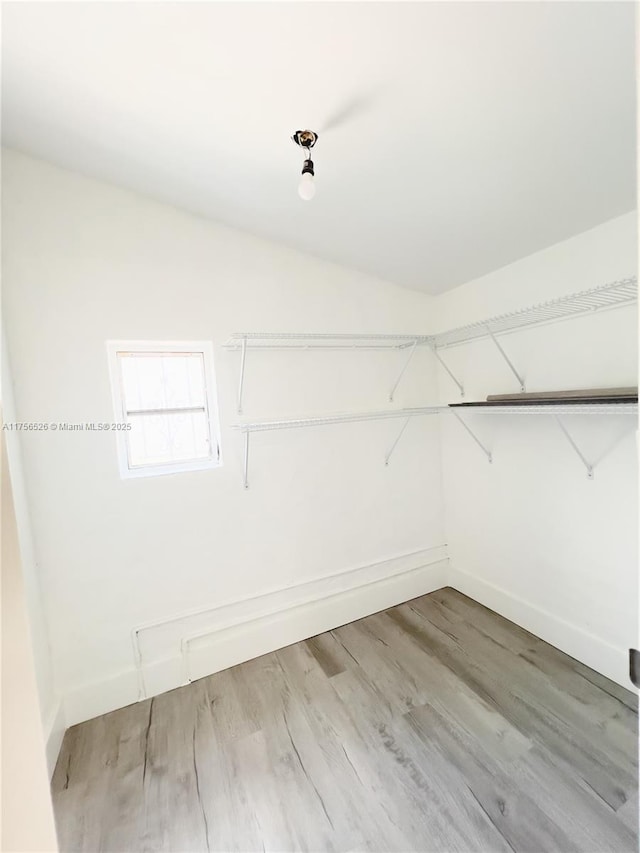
[454, 138]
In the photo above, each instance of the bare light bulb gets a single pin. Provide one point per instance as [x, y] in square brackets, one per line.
[307, 187]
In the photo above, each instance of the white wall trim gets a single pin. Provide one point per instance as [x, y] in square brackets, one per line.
[585, 647]
[54, 729]
[237, 612]
[252, 627]
[277, 611]
[236, 634]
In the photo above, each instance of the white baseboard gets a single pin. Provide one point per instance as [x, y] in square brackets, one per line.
[244, 630]
[230, 646]
[605, 658]
[54, 729]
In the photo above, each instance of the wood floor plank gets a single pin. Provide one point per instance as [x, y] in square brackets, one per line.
[510, 634]
[629, 815]
[227, 814]
[412, 798]
[329, 653]
[538, 670]
[174, 817]
[434, 727]
[346, 756]
[609, 777]
[572, 804]
[529, 800]
[590, 687]
[456, 700]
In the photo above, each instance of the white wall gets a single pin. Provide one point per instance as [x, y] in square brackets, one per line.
[27, 814]
[49, 699]
[529, 535]
[85, 262]
[326, 532]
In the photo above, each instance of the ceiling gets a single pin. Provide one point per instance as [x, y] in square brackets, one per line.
[454, 138]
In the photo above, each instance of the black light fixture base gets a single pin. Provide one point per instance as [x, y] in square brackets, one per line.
[305, 138]
[308, 167]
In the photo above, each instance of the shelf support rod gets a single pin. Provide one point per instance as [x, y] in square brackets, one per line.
[437, 355]
[486, 452]
[404, 367]
[507, 359]
[246, 460]
[399, 436]
[241, 384]
[585, 462]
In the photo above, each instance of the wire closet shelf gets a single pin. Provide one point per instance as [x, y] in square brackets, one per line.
[351, 417]
[324, 340]
[556, 410]
[614, 294]
[355, 417]
[550, 409]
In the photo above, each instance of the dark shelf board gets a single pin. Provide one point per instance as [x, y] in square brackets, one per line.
[550, 401]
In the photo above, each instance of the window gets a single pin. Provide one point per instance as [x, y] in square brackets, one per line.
[165, 406]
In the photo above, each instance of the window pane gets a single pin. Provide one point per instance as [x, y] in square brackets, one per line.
[162, 380]
[163, 439]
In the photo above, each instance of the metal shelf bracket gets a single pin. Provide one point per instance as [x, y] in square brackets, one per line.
[571, 441]
[245, 479]
[399, 436]
[439, 357]
[241, 383]
[486, 452]
[353, 417]
[507, 359]
[404, 367]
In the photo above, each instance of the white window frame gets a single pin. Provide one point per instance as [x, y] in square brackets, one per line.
[205, 348]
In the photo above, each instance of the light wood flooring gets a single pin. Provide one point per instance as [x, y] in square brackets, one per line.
[434, 726]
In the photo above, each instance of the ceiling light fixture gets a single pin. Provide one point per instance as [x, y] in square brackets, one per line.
[306, 139]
